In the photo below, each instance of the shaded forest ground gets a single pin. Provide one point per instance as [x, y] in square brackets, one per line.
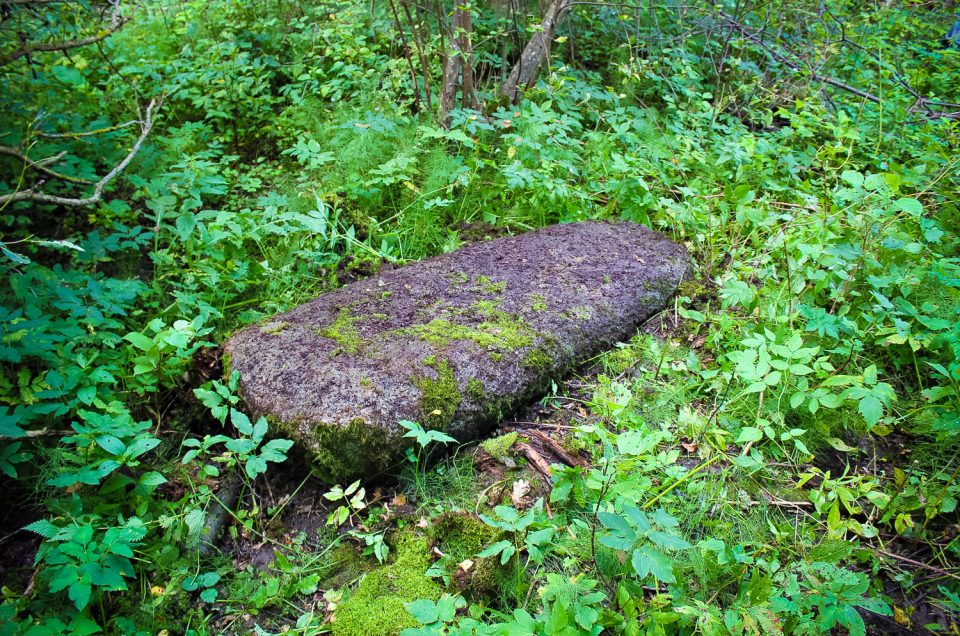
[778, 456]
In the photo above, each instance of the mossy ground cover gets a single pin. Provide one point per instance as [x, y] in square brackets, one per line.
[377, 605]
[778, 455]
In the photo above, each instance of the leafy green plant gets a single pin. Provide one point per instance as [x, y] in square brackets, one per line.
[248, 450]
[644, 538]
[351, 502]
[822, 596]
[423, 439]
[81, 558]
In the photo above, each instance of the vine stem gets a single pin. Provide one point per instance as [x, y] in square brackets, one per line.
[593, 528]
[672, 486]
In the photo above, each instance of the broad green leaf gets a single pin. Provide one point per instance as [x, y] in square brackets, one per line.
[668, 541]
[111, 444]
[139, 341]
[647, 560]
[749, 434]
[872, 409]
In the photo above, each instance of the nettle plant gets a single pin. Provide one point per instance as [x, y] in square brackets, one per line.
[350, 502]
[250, 449]
[105, 511]
[779, 368]
[423, 438]
[647, 539]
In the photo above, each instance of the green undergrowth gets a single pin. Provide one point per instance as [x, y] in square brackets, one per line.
[781, 457]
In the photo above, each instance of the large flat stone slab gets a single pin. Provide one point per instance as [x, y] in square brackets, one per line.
[454, 342]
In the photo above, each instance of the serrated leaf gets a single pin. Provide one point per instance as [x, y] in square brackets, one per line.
[194, 520]
[79, 593]
[44, 528]
[648, 560]
[872, 409]
[111, 444]
[668, 541]
[65, 244]
[749, 434]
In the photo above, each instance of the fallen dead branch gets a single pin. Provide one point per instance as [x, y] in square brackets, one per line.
[36, 195]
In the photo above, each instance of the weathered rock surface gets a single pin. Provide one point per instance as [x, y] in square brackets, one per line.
[454, 342]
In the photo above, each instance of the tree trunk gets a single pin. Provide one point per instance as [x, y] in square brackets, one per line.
[537, 51]
[458, 70]
[468, 86]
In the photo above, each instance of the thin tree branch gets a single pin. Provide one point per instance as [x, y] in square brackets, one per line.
[89, 133]
[41, 165]
[40, 197]
[27, 49]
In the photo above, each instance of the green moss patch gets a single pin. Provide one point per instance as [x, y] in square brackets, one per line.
[483, 285]
[275, 328]
[460, 536]
[496, 330]
[538, 302]
[344, 332]
[475, 390]
[499, 447]
[336, 450]
[377, 606]
[440, 396]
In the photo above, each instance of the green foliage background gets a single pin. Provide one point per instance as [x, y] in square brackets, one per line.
[822, 320]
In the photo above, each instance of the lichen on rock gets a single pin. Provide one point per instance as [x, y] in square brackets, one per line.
[454, 342]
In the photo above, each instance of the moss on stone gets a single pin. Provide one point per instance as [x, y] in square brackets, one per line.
[661, 287]
[457, 278]
[485, 308]
[538, 302]
[343, 331]
[537, 360]
[497, 330]
[377, 606]
[336, 449]
[225, 362]
[275, 328]
[582, 312]
[440, 397]
[366, 382]
[499, 447]
[483, 285]
[476, 391]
